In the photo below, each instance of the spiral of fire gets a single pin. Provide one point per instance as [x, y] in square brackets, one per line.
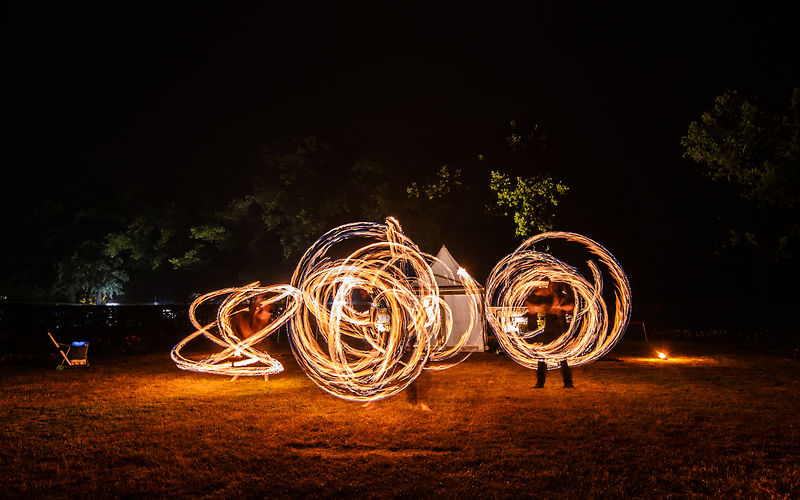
[367, 353]
[590, 333]
[238, 356]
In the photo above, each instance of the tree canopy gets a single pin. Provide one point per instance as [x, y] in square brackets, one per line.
[757, 152]
[530, 201]
[124, 242]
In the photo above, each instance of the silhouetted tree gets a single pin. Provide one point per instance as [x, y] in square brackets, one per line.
[757, 151]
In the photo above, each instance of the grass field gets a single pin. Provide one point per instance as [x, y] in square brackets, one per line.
[711, 421]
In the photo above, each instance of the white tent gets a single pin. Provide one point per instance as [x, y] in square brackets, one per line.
[452, 292]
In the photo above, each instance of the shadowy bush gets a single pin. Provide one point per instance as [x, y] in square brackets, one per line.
[771, 337]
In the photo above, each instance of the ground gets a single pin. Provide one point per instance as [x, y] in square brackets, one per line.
[710, 421]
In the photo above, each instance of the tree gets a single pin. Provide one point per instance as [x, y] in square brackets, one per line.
[523, 133]
[756, 151]
[92, 253]
[153, 237]
[309, 187]
[72, 263]
[251, 231]
[445, 183]
[305, 188]
[437, 207]
[90, 276]
[532, 200]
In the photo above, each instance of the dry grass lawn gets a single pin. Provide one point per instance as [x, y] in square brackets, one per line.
[712, 421]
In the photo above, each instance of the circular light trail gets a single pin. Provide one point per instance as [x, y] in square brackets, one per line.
[590, 334]
[370, 353]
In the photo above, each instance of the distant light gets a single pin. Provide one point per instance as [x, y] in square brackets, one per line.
[662, 355]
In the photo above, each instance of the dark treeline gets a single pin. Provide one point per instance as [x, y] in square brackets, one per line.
[140, 242]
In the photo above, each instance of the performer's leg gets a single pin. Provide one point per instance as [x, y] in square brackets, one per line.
[566, 374]
[541, 374]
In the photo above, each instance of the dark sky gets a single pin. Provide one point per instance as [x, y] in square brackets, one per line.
[104, 96]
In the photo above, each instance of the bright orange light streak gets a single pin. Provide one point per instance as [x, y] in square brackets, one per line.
[238, 357]
[367, 352]
[351, 351]
[371, 354]
[590, 334]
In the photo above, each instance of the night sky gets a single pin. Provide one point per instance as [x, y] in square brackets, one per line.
[105, 97]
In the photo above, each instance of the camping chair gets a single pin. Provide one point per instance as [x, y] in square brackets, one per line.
[76, 354]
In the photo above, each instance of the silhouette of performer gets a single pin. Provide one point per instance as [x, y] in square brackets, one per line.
[255, 318]
[556, 300]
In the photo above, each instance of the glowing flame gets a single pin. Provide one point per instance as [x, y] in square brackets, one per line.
[662, 355]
